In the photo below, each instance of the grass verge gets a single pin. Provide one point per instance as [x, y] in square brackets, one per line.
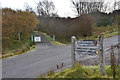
[24, 49]
[80, 71]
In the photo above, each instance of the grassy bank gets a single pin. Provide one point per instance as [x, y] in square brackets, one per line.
[80, 71]
[16, 48]
[107, 32]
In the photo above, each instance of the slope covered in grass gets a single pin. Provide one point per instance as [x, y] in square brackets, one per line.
[106, 31]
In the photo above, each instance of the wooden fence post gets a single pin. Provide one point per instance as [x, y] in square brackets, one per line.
[102, 56]
[112, 60]
[73, 39]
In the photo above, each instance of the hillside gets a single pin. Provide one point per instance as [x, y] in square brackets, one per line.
[82, 26]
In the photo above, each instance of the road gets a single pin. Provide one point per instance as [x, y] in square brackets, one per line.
[41, 60]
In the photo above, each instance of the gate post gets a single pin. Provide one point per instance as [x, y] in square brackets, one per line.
[53, 37]
[102, 56]
[73, 39]
[32, 38]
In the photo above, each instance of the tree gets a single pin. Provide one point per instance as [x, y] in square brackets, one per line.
[46, 8]
[82, 7]
[28, 8]
[15, 22]
[117, 4]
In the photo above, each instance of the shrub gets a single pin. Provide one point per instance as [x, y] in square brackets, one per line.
[105, 21]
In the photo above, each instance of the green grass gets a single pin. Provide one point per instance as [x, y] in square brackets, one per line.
[80, 71]
[48, 37]
[22, 50]
[16, 48]
[11, 46]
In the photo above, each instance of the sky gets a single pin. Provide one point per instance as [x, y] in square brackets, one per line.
[63, 7]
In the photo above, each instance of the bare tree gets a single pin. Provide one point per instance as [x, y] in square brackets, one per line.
[77, 6]
[115, 5]
[28, 8]
[82, 7]
[118, 3]
[106, 7]
[46, 8]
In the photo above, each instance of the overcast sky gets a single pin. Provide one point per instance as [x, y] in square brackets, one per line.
[63, 6]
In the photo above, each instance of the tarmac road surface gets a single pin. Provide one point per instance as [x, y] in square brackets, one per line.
[41, 60]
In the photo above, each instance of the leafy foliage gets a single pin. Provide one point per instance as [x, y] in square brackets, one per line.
[13, 23]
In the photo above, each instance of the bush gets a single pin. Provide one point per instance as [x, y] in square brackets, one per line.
[31, 43]
[105, 21]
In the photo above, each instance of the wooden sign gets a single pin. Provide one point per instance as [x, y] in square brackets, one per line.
[86, 47]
